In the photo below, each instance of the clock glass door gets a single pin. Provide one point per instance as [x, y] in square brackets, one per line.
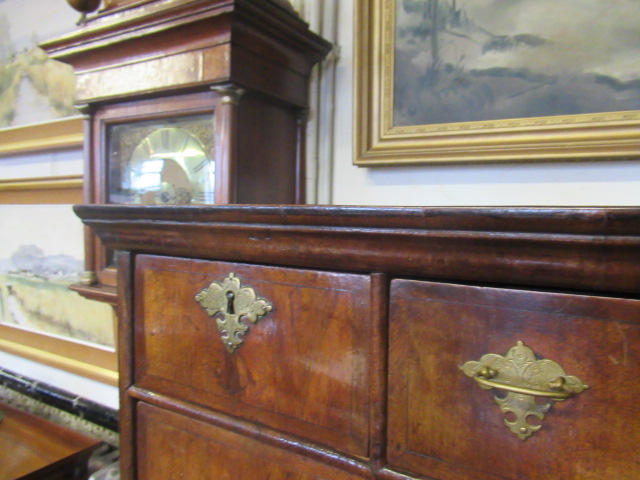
[162, 161]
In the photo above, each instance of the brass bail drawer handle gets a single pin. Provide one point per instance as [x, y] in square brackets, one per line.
[559, 388]
[523, 377]
[231, 303]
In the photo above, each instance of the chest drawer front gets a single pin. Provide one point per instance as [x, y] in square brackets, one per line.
[441, 423]
[172, 446]
[301, 368]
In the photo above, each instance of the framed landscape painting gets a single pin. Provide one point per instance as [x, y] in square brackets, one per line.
[40, 317]
[446, 81]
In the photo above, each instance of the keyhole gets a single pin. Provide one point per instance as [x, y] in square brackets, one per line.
[230, 298]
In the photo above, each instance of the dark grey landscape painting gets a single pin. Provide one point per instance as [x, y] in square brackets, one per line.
[473, 60]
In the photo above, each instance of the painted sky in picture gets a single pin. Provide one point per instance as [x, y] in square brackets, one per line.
[54, 228]
[470, 60]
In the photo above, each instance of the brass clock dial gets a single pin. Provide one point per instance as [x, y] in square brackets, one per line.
[169, 166]
[161, 163]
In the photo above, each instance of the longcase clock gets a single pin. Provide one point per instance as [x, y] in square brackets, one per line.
[189, 102]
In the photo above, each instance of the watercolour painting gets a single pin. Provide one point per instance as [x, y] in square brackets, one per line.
[38, 263]
[34, 88]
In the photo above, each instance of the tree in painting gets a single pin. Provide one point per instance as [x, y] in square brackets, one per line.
[463, 60]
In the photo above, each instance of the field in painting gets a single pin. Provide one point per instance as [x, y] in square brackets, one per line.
[48, 306]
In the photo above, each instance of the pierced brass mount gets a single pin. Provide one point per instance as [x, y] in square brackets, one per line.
[524, 378]
[232, 303]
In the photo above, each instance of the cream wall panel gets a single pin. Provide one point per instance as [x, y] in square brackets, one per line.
[57, 163]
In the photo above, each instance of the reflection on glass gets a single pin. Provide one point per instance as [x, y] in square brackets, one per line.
[162, 162]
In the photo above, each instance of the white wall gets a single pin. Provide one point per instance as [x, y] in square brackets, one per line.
[56, 163]
[82, 386]
[562, 183]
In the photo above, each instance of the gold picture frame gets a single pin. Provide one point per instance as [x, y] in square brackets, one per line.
[613, 135]
[85, 359]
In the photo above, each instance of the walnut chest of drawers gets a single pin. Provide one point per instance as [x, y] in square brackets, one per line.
[394, 343]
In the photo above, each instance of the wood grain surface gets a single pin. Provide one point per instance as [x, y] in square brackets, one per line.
[303, 367]
[441, 421]
[195, 450]
[32, 448]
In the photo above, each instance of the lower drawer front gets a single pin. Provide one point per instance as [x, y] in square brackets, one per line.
[172, 446]
[301, 368]
[443, 424]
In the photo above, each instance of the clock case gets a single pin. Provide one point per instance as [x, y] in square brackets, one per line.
[246, 62]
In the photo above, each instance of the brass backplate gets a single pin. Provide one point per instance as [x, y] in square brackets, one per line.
[231, 303]
[531, 385]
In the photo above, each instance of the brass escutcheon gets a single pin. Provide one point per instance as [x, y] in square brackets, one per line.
[232, 302]
[523, 378]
